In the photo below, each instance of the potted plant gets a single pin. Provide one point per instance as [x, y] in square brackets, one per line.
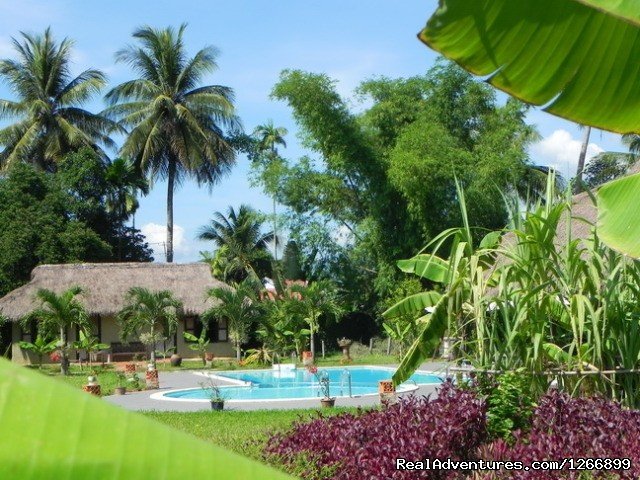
[307, 358]
[121, 389]
[215, 394]
[135, 383]
[323, 382]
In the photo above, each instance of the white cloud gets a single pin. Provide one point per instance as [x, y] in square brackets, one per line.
[561, 151]
[156, 236]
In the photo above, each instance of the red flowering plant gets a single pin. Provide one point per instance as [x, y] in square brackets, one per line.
[55, 356]
[322, 378]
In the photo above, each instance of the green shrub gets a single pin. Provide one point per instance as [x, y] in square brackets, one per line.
[510, 404]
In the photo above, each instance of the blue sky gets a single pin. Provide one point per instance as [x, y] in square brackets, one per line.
[349, 41]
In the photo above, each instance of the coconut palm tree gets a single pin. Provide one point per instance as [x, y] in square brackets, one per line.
[245, 246]
[57, 314]
[152, 316]
[177, 128]
[269, 136]
[238, 305]
[49, 121]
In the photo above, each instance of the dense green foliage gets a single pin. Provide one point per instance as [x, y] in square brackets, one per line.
[380, 183]
[60, 218]
[37, 227]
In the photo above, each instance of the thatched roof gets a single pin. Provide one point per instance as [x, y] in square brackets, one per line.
[106, 285]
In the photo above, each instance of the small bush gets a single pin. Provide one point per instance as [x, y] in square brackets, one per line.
[510, 405]
[366, 445]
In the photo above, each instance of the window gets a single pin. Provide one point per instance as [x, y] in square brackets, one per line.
[191, 324]
[29, 332]
[216, 330]
[95, 323]
[222, 330]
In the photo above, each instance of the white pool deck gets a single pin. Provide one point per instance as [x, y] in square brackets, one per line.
[190, 379]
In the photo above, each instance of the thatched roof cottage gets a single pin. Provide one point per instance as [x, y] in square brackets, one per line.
[105, 288]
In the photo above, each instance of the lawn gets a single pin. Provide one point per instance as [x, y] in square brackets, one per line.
[241, 431]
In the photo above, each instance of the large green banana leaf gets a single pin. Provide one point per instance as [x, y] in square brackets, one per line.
[426, 266]
[413, 304]
[53, 431]
[580, 59]
[426, 342]
[619, 214]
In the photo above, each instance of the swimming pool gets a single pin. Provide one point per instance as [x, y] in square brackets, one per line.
[298, 384]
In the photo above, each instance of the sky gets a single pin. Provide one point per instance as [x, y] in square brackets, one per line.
[348, 40]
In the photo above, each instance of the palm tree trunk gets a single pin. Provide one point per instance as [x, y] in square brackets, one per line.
[313, 345]
[64, 359]
[238, 354]
[275, 231]
[152, 355]
[581, 159]
[171, 177]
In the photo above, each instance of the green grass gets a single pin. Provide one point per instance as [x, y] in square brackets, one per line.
[242, 432]
[77, 377]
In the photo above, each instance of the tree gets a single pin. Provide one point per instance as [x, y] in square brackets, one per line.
[314, 301]
[39, 225]
[238, 235]
[124, 182]
[238, 305]
[49, 119]
[379, 183]
[153, 316]
[177, 128]
[41, 347]
[57, 314]
[269, 137]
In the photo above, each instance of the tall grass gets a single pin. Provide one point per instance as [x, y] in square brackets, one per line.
[543, 303]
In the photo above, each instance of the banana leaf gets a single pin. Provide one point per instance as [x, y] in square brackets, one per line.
[415, 303]
[53, 430]
[619, 215]
[426, 266]
[576, 58]
[425, 344]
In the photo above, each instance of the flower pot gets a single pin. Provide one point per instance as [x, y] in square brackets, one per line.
[130, 368]
[327, 402]
[151, 377]
[307, 358]
[92, 389]
[386, 390]
[217, 404]
[176, 360]
[120, 390]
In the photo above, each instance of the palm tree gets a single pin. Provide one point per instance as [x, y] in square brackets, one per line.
[245, 247]
[49, 120]
[314, 301]
[238, 305]
[124, 181]
[177, 127]
[152, 316]
[59, 313]
[269, 136]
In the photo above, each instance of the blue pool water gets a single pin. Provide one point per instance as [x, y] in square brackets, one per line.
[300, 384]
